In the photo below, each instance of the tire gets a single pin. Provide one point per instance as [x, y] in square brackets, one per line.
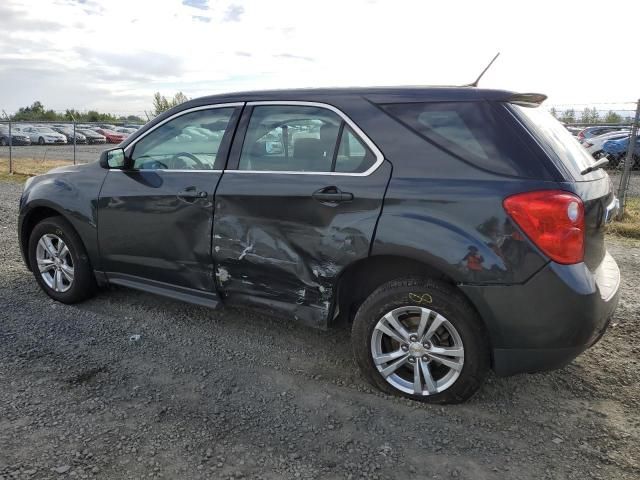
[41, 141]
[460, 326]
[83, 283]
[3, 142]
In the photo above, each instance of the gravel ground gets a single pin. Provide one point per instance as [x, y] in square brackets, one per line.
[233, 394]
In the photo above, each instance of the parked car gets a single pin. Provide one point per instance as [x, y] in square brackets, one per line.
[17, 137]
[589, 132]
[110, 135]
[69, 134]
[458, 229]
[43, 135]
[125, 131]
[574, 130]
[91, 136]
[616, 151]
[594, 144]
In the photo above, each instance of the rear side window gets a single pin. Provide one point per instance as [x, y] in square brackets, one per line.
[293, 138]
[470, 131]
[353, 155]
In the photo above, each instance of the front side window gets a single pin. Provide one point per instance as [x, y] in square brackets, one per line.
[188, 142]
[292, 138]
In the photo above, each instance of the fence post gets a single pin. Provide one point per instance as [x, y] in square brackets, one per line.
[74, 142]
[10, 150]
[628, 162]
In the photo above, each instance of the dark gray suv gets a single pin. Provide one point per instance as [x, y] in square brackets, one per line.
[458, 229]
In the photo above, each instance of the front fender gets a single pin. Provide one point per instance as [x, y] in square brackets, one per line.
[71, 193]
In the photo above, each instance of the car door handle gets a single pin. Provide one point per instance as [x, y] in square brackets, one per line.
[191, 193]
[332, 195]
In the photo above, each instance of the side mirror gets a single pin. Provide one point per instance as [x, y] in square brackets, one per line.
[114, 159]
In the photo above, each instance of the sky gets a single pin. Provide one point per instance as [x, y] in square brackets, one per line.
[112, 55]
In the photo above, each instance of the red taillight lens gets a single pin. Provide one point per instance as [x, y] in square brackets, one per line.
[553, 220]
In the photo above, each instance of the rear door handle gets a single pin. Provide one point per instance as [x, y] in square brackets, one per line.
[191, 193]
[332, 195]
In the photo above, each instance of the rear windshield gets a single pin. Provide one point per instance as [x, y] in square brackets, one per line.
[469, 131]
[557, 141]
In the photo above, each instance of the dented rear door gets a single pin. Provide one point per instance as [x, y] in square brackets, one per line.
[281, 239]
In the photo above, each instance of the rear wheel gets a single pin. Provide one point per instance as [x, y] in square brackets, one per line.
[421, 339]
[59, 261]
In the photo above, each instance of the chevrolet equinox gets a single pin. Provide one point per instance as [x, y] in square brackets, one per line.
[458, 229]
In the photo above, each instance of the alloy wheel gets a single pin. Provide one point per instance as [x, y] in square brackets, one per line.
[54, 262]
[417, 350]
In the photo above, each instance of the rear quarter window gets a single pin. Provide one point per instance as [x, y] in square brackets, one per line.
[470, 131]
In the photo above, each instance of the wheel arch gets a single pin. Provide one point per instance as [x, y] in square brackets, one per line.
[34, 216]
[361, 278]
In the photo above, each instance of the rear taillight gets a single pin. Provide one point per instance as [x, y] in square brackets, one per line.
[553, 220]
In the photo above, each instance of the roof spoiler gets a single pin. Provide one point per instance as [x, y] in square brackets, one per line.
[527, 99]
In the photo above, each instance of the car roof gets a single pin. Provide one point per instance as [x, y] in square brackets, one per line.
[376, 94]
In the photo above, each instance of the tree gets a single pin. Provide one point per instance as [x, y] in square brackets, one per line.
[590, 115]
[554, 112]
[612, 117]
[36, 112]
[568, 116]
[161, 104]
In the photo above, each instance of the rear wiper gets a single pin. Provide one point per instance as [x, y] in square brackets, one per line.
[596, 166]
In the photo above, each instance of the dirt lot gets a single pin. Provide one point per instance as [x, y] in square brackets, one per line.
[209, 394]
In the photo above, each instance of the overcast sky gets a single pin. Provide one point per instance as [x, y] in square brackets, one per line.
[112, 55]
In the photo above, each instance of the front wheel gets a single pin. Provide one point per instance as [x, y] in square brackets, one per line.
[420, 338]
[59, 261]
[41, 141]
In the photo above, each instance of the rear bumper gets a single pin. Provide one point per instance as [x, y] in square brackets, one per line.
[549, 320]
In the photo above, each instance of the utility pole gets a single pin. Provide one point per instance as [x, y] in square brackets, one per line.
[628, 162]
[10, 143]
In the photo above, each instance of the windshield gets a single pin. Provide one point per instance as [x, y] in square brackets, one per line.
[558, 141]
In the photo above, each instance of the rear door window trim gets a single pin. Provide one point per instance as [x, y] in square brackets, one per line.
[358, 132]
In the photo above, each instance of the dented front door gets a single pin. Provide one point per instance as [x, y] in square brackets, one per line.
[277, 244]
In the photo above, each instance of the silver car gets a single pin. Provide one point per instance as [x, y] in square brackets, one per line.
[43, 135]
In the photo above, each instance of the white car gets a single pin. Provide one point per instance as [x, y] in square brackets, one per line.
[43, 135]
[594, 144]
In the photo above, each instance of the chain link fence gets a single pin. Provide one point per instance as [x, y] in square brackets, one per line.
[34, 147]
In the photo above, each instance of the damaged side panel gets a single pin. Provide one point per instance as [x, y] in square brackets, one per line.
[276, 246]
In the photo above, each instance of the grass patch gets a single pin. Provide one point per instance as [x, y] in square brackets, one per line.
[29, 166]
[629, 226]
[16, 177]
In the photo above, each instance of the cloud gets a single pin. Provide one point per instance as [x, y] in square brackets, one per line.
[200, 18]
[233, 13]
[19, 20]
[201, 4]
[293, 57]
[134, 65]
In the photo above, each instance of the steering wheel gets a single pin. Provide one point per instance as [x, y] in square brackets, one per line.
[176, 158]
